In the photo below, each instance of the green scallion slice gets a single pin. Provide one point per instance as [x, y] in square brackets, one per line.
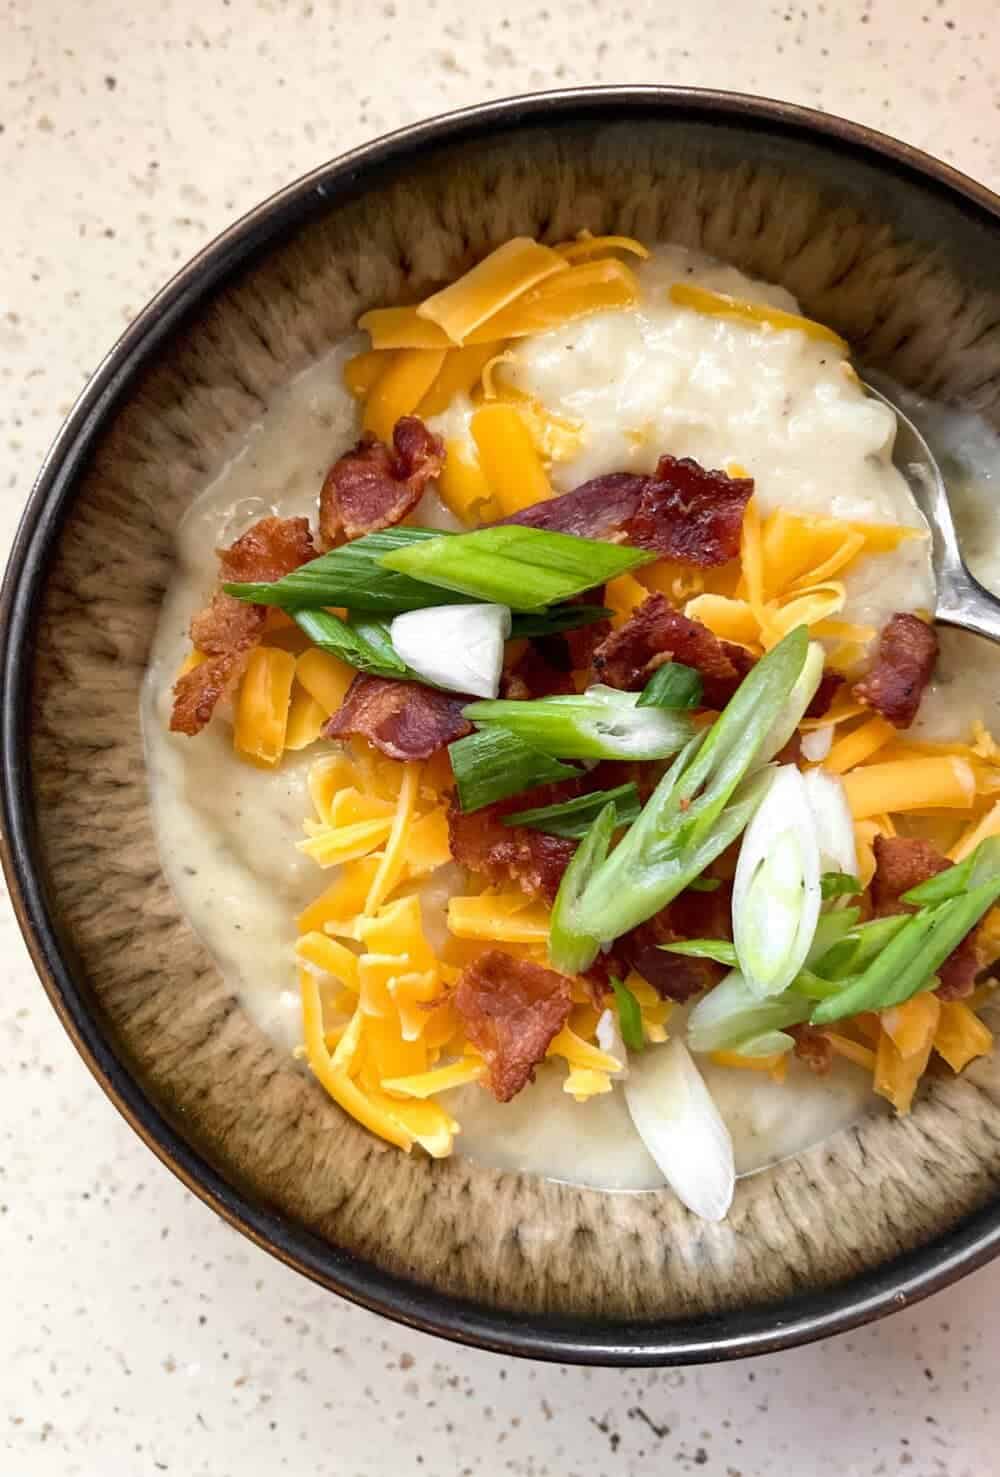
[629, 1015]
[721, 950]
[838, 884]
[696, 810]
[574, 818]
[351, 576]
[979, 866]
[672, 686]
[361, 642]
[571, 948]
[601, 723]
[553, 622]
[525, 568]
[493, 764]
[906, 965]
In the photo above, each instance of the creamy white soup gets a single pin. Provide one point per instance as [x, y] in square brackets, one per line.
[643, 382]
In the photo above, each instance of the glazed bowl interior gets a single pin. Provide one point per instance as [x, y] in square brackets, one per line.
[899, 256]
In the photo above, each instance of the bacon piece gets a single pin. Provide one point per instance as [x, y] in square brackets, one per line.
[375, 486]
[405, 720]
[902, 862]
[269, 550]
[602, 508]
[227, 630]
[534, 860]
[907, 651]
[682, 512]
[813, 1047]
[691, 915]
[534, 676]
[582, 642]
[829, 685]
[511, 1010]
[655, 634]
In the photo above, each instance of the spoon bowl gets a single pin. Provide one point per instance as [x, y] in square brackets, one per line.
[962, 601]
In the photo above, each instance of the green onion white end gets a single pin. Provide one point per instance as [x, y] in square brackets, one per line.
[676, 1118]
[457, 647]
[732, 1015]
[793, 709]
[832, 818]
[776, 891]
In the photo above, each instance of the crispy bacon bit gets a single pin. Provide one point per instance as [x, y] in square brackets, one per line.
[405, 720]
[375, 486]
[583, 642]
[673, 976]
[511, 1010]
[829, 685]
[533, 675]
[907, 651]
[902, 862]
[227, 630]
[267, 551]
[656, 634]
[683, 511]
[534, 860]
[813, 1047]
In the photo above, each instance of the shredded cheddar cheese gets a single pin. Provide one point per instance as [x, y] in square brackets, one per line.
[759, 315]
[586, 245]
[262, 703]
[400, 388]
[590, 287]
[489, 286]
[511, 465]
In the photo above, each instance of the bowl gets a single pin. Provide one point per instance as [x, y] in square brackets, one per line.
[896, 251]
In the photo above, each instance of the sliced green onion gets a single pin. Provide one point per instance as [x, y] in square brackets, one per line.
[676, 1118]
[636, 888]
[857, 946]
[776, 895]
[704, 884]
[350, 576]
[571, 948]
[831, 928]
[768, 1043]
[492, 764]
[574, 817]
[629, 1015]
[455, 647]
[700, 805]
[721, 950]
[792, 710]
[832, 820]
[559, 618]
[672, 686]
[359, 641]
[813, 986]
[601, 723]
[732, 1014]
[525, 568]
[979, 866]
[906, 964]
[839, 884]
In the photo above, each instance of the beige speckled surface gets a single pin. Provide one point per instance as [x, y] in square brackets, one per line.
[138, 1335]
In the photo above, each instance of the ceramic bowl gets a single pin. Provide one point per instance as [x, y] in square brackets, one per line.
[896, 251]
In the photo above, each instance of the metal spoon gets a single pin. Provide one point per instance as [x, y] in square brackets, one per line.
[961, 600]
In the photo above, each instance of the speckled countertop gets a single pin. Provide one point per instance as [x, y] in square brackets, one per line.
[138, 1334]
